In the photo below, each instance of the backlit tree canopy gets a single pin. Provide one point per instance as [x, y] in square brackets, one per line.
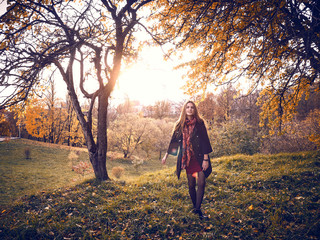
[274, 44]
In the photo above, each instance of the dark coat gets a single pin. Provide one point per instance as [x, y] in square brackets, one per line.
[200, 144]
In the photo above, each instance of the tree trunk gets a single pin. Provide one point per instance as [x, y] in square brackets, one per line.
[99, 165]
[98, 158]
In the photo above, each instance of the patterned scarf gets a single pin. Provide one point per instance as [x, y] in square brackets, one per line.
[187, 146]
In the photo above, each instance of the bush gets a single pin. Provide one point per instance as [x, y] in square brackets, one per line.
[234, 137]
[312, 126]
[82, 168]
[114, 155]
[297, 138]
[117, 171]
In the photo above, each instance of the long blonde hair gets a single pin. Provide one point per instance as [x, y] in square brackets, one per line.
[183, 116]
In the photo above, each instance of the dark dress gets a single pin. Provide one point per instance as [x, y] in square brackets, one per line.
[193, 166]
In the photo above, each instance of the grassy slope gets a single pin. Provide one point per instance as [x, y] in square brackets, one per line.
[49, 167]
[247, 197]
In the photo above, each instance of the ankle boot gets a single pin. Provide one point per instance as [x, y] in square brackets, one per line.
[199, 212]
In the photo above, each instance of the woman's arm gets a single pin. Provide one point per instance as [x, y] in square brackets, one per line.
[164, 159]
[205, 162]
[174, 144]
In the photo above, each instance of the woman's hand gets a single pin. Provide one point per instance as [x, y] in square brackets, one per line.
[205, 165]
[164, 159]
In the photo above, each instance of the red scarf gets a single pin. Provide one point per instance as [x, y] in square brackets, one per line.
[187, 146]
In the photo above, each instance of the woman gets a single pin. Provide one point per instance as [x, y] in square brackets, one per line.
[191, 137]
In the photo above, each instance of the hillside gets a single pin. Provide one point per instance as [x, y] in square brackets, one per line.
[27, 167]
[247, 197]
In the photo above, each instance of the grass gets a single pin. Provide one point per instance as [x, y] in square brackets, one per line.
[49, 166]
[247, 197]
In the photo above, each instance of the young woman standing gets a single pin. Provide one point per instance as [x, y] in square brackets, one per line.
[191, 143]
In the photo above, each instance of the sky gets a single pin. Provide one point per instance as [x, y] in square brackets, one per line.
[3, 6]
[147, 81]
[150, 79]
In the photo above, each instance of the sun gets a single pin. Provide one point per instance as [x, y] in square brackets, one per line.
[141, 84]
[149, 81]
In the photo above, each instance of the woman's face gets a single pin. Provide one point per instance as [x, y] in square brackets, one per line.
[190, 109]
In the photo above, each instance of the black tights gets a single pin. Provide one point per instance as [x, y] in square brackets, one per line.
[196, 195]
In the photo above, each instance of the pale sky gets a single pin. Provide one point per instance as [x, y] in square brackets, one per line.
[3, 6]
[149, 80]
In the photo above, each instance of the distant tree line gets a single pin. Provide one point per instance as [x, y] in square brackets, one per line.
[235, 125]
[143, 132]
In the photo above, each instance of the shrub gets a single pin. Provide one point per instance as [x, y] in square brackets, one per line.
[114, 155]
[312, 125]
[82, 168]
[234, 137]
[137, 162]
[296, 138]
[117, 171]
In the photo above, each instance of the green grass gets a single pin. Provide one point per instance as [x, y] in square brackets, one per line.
[247, 197]
[49, 167]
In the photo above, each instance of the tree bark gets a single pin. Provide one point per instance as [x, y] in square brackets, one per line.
[99, 157]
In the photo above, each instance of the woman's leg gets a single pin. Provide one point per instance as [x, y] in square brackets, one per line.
[192, 189]
[200, 190]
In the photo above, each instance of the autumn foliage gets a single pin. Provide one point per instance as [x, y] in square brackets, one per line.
[269, 45]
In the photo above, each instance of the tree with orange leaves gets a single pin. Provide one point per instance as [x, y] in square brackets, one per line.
[275, 44]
